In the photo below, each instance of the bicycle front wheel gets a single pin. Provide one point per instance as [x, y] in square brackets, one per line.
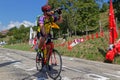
[39, 61]
[55, 65]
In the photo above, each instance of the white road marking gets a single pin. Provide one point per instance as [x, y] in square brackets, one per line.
[40, 78]
[18, 65]
[97, 77]
[118, 72]
[71, 59]
[31, 69]
[92, 76]
[112, 75]
[9, 59]
[71, 68]
[2, 56]
[65, 78]
[8, 53]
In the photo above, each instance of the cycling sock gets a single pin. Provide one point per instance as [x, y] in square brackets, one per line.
[39, 50]
[47, 62]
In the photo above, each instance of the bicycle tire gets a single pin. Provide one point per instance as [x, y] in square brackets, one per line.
[54, 70]
[39, 61]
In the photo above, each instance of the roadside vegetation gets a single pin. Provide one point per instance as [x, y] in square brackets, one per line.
[93, 49]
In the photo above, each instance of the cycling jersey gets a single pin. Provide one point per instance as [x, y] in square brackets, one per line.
[47, 23]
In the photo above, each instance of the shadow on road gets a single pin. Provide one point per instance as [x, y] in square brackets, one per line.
[42, 75]
[7, 63]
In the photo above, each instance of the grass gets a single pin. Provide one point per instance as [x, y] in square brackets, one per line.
[93, 49]
[20, 46]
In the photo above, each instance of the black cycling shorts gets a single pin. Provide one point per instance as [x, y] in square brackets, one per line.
[39, 34]
[48, 40]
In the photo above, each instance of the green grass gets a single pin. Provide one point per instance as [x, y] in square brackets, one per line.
[93, 49]
[20, 46]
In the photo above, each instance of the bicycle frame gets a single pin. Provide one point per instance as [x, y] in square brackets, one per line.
[48, 54]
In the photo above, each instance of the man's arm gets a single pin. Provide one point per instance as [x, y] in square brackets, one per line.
[42, 29]
[60, 19]
[60, 15]
[41, 25]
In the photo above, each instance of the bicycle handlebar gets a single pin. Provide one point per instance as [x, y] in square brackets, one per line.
[54, 38]
[60, 8]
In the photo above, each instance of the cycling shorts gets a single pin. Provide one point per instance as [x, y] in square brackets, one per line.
[39, 34]
[48, 39]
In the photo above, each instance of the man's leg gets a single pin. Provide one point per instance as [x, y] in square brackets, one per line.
[48, 47]
[41, 42]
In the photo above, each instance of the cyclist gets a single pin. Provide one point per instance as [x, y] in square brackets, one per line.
[44, 26]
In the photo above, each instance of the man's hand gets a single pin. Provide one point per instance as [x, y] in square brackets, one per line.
[59, 12]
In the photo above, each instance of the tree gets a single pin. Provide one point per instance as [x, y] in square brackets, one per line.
[78, 14]
[1, 35]
[88, 10]
[12, 31]
[22, 33]
[104, 8]
[19, 34]
[116, 4]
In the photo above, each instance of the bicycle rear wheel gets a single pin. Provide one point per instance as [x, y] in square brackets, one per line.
[55, 65]
[39, 61]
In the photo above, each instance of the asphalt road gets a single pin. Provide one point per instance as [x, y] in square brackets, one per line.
[20, 65]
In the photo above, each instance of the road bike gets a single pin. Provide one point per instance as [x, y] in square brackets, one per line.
[53, 63]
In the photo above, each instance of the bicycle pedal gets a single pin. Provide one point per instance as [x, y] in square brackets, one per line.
[38, 59]
[54, 64]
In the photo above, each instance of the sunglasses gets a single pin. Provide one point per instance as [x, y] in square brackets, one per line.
[48, 10]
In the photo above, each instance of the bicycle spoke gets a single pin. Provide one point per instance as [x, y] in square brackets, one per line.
[55, 65]
[38, 61]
